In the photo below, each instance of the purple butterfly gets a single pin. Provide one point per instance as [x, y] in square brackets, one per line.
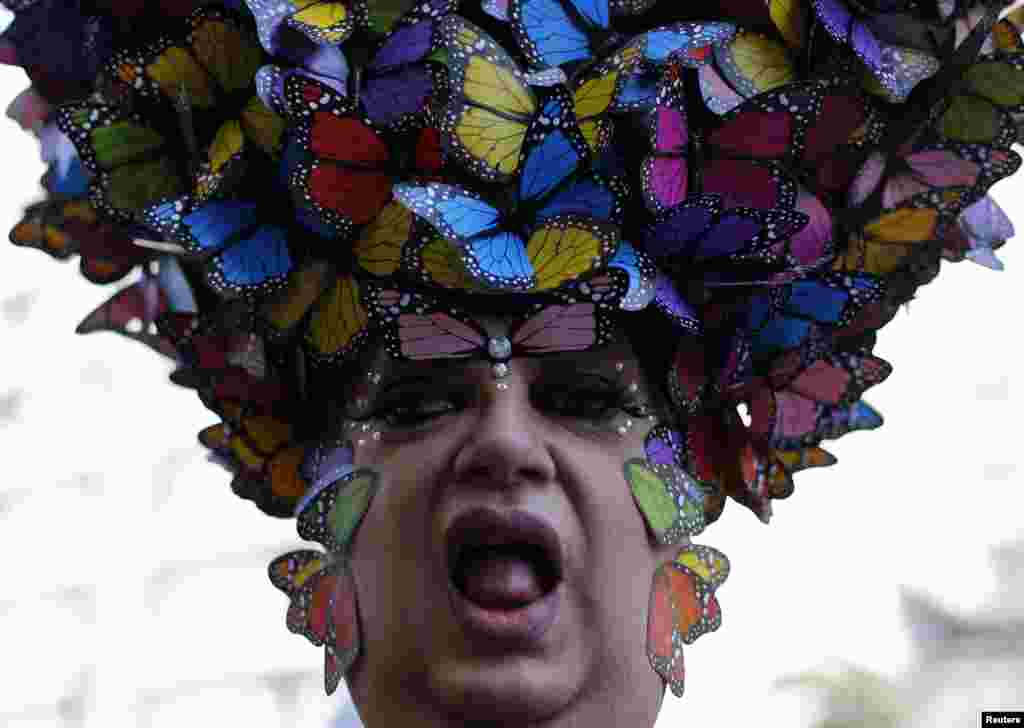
[899, 66]
[396, 83]
[727, 246]
[669, 301]
[665, 171]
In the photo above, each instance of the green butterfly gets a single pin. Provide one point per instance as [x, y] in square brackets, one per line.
[333, 515]
[671, 500]
[133, 163]
[978, 110]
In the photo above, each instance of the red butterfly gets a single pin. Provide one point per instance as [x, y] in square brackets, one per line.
[683, 607]
[346, 168]
[323, 606]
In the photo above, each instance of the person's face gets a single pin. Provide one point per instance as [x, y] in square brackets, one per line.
[551, 444]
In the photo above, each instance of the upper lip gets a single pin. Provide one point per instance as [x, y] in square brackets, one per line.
[487, 527]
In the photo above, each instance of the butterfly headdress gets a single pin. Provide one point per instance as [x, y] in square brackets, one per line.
[291, 182]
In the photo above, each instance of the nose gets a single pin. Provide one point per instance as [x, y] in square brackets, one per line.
[507, 446]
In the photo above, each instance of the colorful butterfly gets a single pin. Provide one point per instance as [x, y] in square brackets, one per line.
[329, 302]
[789, 316]
[259, 446]
[665, 173]
[242, 252]
[395, 86]
[786, 17]
[739, 245]
[749, 64]
[788, 414]
[671, 501]
[980, 108]
[323, 606]
[984, 227]
[683, 607]
[562, 32]
[332, 510]
[322, 22]
[61, 228]
[908, 236]
[343, 169]
[496, 255]
[568, 219]
[627, 80]
[417, 326]
[206, 67]
[896, 66]
[132, 311]
[491, 105]
[133, 164]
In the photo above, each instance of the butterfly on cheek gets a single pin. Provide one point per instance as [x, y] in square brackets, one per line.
[670, 499]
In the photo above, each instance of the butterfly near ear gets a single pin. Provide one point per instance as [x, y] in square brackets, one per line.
[323, 607]
[670, 499]
[683, 607]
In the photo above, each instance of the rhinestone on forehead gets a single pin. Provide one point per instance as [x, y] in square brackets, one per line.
[499, 347]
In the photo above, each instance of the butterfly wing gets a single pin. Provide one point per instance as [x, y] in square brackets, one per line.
[565, 247]
[333, 514]
[38, 230]
[752, 63]
[243, 254]
[325, 22]
[689, 44]
[491, 104]
[682, 607]
[591, 195]
[131, 161]
[555, 150]
[582, 320]
[400, 82]
[671, 500]
[131, 312]
[665, 173]
[322, 608]
[559, 32]
[884, 60]
[338, 326]
[495, 257]
[343, 173]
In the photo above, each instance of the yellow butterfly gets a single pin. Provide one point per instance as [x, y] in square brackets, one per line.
[491, 104]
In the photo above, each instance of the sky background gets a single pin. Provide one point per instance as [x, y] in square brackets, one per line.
[105, 482]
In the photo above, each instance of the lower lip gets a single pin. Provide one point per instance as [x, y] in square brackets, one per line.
[524, 626]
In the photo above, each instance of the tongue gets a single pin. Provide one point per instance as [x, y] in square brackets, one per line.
[501, 581]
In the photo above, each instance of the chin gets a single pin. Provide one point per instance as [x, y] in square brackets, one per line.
[514, 690]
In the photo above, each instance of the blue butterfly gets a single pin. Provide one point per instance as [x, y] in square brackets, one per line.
[244, 254]
[562, 32]
[555, 196]
[789, 316]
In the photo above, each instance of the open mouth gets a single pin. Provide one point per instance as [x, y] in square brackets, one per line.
[504, 576]
[503, 561]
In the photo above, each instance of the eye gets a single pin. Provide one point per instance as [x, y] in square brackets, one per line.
[591, 399]
[413, 409]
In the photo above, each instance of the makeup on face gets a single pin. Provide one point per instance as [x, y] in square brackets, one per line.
[588, 392]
